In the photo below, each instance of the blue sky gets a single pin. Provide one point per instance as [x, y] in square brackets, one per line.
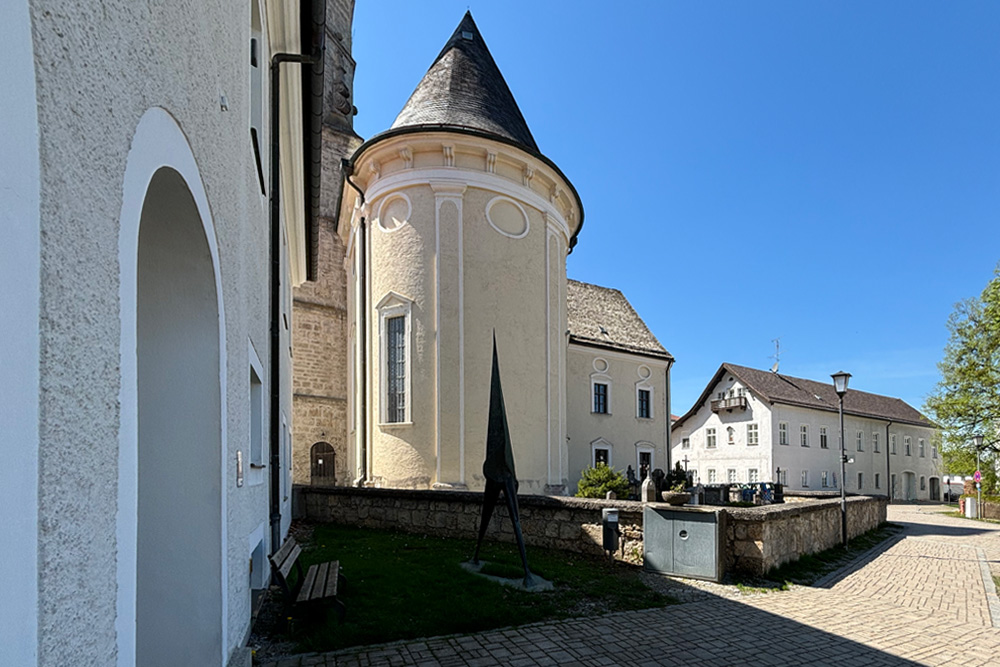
[826, 173]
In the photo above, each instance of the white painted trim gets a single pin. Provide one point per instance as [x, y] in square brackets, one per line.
[449, 190]
[158, 142]
[256, 474]
[548, 340]
[489, 218]
[600, 378]
[645, 385]
[388, 199]
[389, 306]
[472, 179]
[601, 443]
[20, 273]
[643, 447]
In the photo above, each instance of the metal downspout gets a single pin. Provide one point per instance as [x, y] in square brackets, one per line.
[348, 170]
[888, 473]
[275, 296]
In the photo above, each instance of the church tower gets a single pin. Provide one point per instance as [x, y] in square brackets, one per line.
[455, 226]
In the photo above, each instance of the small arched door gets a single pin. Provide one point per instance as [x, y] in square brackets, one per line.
[323, 465]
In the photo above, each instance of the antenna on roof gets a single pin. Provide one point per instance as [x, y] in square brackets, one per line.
[777, 354]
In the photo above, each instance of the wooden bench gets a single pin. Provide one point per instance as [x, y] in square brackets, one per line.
[319, 585]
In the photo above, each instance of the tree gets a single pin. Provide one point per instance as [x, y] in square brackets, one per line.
[966, 401]
[597, 481]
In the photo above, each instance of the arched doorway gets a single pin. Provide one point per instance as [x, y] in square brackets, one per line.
[179, 533]
[323, 467]
[909, 486]
[935, 493]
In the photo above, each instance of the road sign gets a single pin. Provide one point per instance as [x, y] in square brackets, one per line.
[978, 477]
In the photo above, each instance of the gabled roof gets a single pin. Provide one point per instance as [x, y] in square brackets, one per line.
[464, 88]
[603, 317]
[787, 390]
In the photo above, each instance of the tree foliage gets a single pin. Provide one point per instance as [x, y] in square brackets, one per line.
[597, 481]
[966, 401]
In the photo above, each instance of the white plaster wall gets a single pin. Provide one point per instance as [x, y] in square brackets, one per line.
[464, 279]
[19, 273]
[794, 458]
[738, 455]
[621, 428]
[99, 68]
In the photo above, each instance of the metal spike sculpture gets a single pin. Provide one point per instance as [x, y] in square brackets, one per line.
[498, 468]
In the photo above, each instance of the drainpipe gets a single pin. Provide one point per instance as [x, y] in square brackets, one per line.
[348, 171]
[670, 463]
[888, 474]
[316, 61]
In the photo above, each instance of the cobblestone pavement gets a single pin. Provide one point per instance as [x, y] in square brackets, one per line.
[921, 599]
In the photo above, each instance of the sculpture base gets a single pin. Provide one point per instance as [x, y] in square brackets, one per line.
[538, 584]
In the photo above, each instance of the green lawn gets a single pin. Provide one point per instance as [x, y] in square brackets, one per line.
[403, 586]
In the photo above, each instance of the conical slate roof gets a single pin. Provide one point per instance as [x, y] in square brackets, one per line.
[464, 88]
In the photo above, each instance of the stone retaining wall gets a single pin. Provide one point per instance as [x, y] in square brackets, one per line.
[569, 524]
[761, 538]
[756, 539]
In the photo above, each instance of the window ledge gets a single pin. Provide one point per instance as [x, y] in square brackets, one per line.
[385, 425]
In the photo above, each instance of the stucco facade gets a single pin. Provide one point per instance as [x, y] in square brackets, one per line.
[754, 436]
[140, 214]
[627, 437]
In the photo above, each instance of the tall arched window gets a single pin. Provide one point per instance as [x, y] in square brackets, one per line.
[324, 472]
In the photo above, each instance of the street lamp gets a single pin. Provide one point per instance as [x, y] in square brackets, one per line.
[840, 386]
[977, 441]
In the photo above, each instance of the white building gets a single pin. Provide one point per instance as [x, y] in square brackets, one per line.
[758, 426]
[144, 420]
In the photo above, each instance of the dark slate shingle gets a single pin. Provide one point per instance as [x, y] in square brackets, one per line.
[603, 316]
[464, 88]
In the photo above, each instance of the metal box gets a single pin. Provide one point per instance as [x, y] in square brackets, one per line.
[683, 541]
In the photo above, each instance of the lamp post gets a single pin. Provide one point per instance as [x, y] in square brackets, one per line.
[840, 386]
[977, 441]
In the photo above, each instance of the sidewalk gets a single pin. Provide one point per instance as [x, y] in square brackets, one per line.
[925, 600]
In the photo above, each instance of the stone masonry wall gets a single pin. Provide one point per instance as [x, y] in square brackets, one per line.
[761, 538]
[756, 539]
[569, 524]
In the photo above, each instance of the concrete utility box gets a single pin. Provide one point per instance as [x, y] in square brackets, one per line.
[970, 508]
[683, 541]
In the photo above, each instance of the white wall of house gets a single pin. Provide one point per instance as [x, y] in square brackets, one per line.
[913, 473]
[729, 454]
[621, 431]
[182, 101]
[19, 301]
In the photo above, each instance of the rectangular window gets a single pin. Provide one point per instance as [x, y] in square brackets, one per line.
[782, 433]
[752, 434]
[892, 446]
[686, 443]
[933, 451]
[892, 485]
[602, 456]
[822, 438]
[875, 441]
[710, 438]
[804, 435]
[907, 446]
[643, 404]
[753, 476]
[878, 481]
[921, 448]
[395, 371]
[257, 61]
[712, 476]
[600, 398]
[731, 475]
[256, 420]
[805, 479]
[783, 477]
[923, 483]
[824, 479]
[861, 481]
[861, 441]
